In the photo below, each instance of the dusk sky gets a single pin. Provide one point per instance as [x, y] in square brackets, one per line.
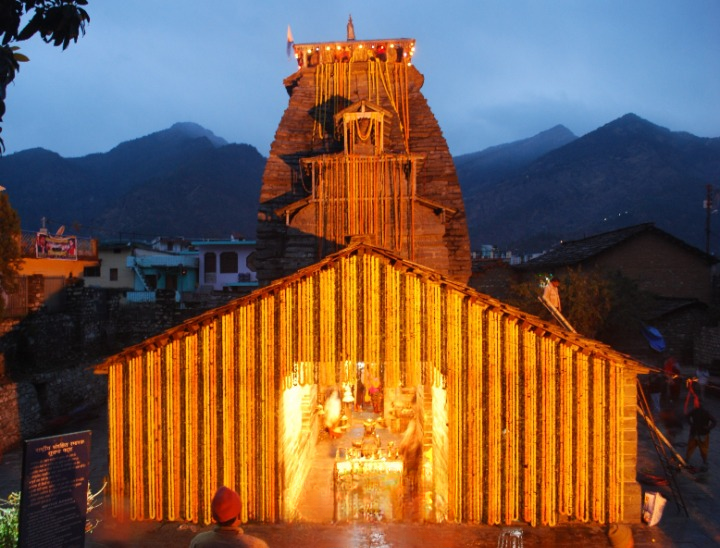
[495, 70]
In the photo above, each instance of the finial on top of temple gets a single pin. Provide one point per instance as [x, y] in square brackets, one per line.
[350, 29]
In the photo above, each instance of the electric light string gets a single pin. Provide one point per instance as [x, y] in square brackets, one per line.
[531, 414]
[582, 413]
[174, 425]
[511, 421]
[136, 421]
[150, 433]
[191, 427]
[116, 447]
[246, 409]
[365, 195]
[566, 450]
[495, 425]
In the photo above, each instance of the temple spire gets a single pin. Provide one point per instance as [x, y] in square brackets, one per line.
[350, 29]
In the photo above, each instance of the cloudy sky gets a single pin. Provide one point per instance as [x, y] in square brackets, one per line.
[495, 70]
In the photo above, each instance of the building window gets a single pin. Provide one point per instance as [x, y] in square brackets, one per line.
[91, 271]
[228, 262]
[210, 262]
[113, 274]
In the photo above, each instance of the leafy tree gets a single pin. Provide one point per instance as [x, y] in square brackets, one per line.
[10, 252]
[592, 301]
[58, 22]
[588, 298]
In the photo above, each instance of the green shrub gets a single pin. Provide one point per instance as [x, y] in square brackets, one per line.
[10, 517]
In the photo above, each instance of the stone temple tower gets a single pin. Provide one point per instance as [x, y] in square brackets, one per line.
[359, 156]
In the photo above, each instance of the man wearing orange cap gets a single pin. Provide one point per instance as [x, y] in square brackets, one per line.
[226, 507]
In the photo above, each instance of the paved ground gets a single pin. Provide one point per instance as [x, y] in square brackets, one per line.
[701, 495]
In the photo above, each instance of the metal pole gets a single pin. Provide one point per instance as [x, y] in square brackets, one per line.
[708, 212]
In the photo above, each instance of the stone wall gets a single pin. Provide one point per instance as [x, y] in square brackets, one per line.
[45, 357]
[92, 323]
[707, 349]
[29, 408]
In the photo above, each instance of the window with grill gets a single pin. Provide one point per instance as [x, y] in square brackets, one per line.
[228, 262]
[210, 262]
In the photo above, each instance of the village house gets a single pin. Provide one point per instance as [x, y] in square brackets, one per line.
[226, 265]
[141, 268]
[678, 277]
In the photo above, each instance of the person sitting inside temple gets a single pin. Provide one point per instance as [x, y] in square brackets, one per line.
[333, 414]
[411, 450]
[226, 507]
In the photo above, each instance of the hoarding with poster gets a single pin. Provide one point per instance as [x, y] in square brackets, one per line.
[55, 247]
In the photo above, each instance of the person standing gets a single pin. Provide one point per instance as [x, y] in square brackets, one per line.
[703, 379]
[411, 450]
[672, 376]
[226, 507]
[657, 386]
[701, 422]
[376, 395]
[551, 293]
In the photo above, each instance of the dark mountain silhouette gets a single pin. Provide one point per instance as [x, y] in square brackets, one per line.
[524, 196]
[479, 169]
[183, 181]
[627, 172]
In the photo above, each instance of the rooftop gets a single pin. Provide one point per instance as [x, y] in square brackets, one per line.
[576, 251]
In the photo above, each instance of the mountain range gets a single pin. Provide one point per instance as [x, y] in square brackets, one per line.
[626, 172]
[184, 181]
[523, 196]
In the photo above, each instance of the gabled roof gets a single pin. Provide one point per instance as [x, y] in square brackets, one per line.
[527, 320]
[362, 106]
[577, 251]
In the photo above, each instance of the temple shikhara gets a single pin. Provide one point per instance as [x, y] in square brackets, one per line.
[359, 156]
[363, 257]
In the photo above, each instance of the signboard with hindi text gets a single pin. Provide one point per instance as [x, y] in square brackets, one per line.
[55, 247]
[53, 502]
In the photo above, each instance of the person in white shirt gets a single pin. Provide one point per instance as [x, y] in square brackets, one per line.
[551, 293]
[703, 379]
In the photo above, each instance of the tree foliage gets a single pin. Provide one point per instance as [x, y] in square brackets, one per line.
[594, 302]
[58, 22]
[10, 252]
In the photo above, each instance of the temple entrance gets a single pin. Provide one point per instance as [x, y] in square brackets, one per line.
[372, 463]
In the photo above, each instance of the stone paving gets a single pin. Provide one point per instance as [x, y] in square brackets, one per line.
[701, 495]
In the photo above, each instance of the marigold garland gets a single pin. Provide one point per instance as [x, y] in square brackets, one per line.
[526, 425]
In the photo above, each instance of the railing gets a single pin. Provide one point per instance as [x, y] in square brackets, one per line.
[149, 261]
[140, 296]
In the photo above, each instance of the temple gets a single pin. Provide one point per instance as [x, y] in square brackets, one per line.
[364, 257]
[359, 156]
